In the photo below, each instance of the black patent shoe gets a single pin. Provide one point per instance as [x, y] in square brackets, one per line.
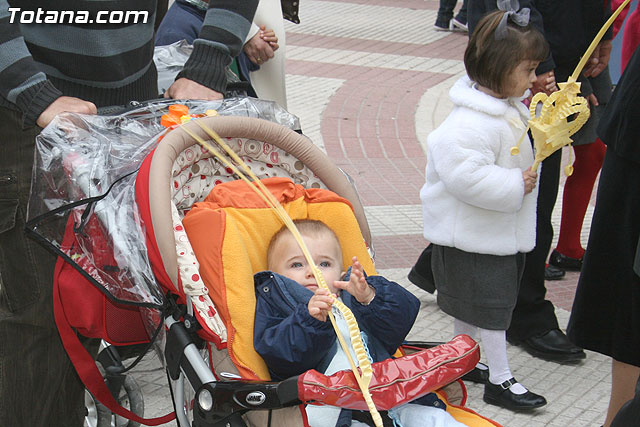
[477, 375]
[553, 345]
[565, 262]
[501, 395]
[553, 273]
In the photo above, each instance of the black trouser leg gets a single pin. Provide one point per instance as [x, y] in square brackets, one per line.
[533, 313]
[38, 384]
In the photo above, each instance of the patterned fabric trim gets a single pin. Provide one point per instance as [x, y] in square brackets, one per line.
[192, 283]
[195, 172]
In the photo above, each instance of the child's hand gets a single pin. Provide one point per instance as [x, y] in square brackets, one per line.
[546, 82]
[270, 37]
[258, 50]
[320, 304]
[530, 177]
[357, 284]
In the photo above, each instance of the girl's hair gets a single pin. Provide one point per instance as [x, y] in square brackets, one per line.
[490, 61]
[306, 227]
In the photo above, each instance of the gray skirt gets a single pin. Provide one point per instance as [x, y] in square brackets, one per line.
[478, 289]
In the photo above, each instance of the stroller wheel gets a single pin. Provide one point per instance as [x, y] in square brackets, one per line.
[91, 411]
[130, 397]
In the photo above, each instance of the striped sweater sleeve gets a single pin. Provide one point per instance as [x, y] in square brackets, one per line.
[22, 82]
[223, 32]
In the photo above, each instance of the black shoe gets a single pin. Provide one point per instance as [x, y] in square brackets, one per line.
[565, 262]
[552, 345]
[501, 395]
[553, 273]
[459, 25]
[441, 26]
[477, 375]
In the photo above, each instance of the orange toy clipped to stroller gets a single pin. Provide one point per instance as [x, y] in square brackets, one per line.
[129, 273]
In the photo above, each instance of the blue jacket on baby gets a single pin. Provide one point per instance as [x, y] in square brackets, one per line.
[291, 341]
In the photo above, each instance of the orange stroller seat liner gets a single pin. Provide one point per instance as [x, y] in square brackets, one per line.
[230, 232]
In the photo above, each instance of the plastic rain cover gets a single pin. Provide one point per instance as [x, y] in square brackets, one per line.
[85, 169]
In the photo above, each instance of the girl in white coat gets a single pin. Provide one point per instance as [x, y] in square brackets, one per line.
[479, 200]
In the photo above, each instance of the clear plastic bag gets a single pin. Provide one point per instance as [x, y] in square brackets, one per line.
[85, 167]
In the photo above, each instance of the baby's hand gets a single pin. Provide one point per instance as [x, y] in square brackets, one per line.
[530, 177]
[320, 304]
[357, 284]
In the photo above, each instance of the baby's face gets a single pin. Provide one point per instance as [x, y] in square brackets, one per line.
[289, 261]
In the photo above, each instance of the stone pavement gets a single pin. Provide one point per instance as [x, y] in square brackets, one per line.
[369, 80]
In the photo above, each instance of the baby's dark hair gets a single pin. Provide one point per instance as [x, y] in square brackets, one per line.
[490, 61]
[306, 227]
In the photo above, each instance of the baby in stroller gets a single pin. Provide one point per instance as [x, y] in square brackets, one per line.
[292, 333]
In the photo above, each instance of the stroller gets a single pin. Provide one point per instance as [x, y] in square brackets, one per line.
[128, 274]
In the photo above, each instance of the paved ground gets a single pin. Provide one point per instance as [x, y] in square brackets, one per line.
[369, 80]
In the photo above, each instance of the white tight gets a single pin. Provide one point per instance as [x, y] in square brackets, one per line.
[494, 345]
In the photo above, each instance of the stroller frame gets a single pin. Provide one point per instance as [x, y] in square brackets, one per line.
[218, 403]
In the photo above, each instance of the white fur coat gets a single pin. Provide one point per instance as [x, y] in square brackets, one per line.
[473, 198]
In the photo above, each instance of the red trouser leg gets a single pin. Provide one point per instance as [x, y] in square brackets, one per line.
[577, 192]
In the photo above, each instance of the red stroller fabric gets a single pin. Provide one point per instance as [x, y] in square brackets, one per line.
[86, 308]
[79, 304]
[395, 381]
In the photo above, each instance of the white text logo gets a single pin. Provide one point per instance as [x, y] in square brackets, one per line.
[42, 16]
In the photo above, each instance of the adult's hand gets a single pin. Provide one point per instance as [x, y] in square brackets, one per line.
[257, 49]
[65, 104]
[599, 59]
[184, 88]
[546, 83]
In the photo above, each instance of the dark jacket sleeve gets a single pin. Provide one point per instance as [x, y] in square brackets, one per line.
[391, 314]
[570, 26]
[537, 22]
[293, 344]
[22, 81]
[619, 125]
[221, 38]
